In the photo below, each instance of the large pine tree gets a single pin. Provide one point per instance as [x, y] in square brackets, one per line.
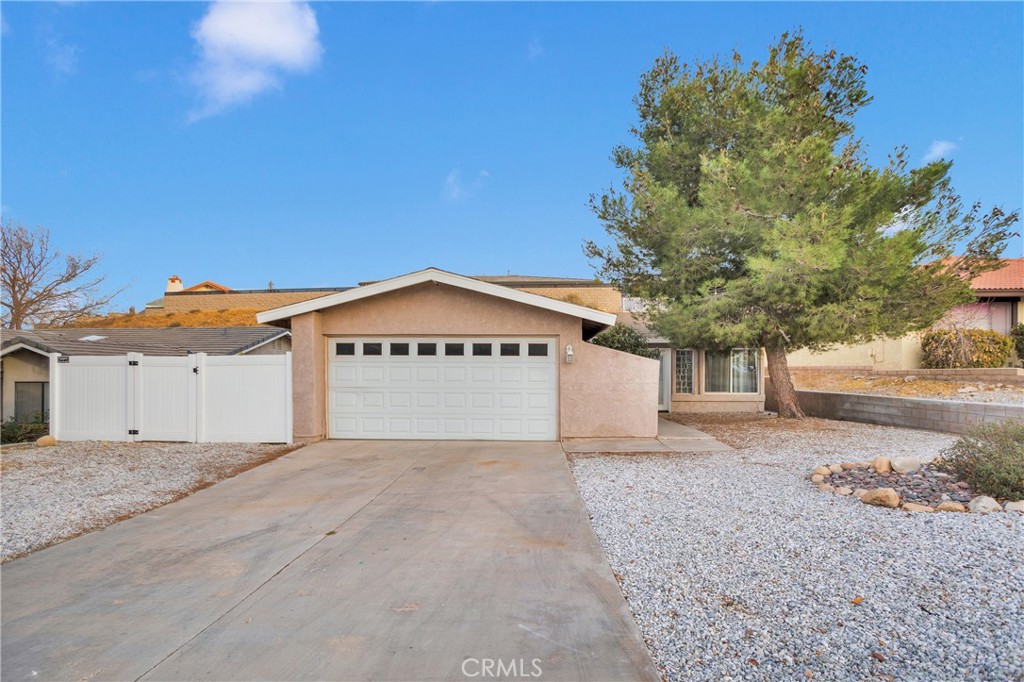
[751, 217]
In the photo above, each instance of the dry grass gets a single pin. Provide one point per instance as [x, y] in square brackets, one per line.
[901, 387]
[240, 317]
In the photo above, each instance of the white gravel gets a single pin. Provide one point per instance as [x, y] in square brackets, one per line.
[737, 568]
[56, 493]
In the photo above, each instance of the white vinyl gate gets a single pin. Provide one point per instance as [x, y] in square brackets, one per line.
[196, 398]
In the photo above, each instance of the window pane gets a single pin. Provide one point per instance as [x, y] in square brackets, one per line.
[509, 349]
[399, 349]
[481, 349]
[684, 371]
[537, 350]
[716, 372]
[373, 349]
[426, 349]
[29, 401]
[744, 370]
[454, 349]
[344, 349]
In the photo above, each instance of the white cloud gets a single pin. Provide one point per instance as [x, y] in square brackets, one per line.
[245, 46]
[535, 49]
[456, 189]
[5, 28]
[62, 57]
[940, 149]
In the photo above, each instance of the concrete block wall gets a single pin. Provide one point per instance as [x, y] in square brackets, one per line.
[916, 413]
[261, 300]
[606, 298]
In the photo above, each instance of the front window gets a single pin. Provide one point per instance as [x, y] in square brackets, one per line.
[684, 371]
[734, 371]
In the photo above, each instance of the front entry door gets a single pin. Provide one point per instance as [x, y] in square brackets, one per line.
[665, 381]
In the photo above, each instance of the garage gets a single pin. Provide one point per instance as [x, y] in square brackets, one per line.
[435, 355]
[452, 388]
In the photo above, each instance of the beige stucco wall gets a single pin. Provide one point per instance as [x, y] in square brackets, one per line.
[602, 394]
[21, 365]
[607, 393]
[901, 353]
[309, 356]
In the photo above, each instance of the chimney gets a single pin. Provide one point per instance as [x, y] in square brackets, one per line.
[173, 284]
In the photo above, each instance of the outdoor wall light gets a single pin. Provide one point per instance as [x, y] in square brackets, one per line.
[569, 357]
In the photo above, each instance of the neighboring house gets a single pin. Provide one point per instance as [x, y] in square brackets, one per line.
[999, 305]
[212, 296]
[24, 354]
[435, 355]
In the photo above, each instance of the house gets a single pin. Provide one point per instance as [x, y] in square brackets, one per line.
[999, 305]
[435, 355]
[689, 380]
[24, 354]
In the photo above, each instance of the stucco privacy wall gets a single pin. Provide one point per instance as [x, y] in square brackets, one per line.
[608, 393]
[603, 393]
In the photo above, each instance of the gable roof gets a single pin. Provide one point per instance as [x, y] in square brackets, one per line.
[1010, 277]
[149, 341]
[595, 319]
[206, 286]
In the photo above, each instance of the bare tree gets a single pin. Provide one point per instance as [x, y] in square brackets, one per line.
[42, 286]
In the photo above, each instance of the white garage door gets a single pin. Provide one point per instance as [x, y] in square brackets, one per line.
[445, 388]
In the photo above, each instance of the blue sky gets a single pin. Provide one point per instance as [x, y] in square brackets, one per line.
[338, 142]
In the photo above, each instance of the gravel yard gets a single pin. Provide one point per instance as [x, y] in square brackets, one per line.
[56, 493]
[736, 567]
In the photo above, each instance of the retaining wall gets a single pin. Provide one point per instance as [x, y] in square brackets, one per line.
[915, 413]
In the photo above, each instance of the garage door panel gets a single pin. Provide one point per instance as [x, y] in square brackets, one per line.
[497, 396]
[400, 375]
[401, 400]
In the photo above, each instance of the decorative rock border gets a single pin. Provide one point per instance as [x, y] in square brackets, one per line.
[914, 478]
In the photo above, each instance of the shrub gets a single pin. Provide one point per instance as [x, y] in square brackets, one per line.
[1017, 334]
[990, 457]
[965, 348]
[626, 339]
[12, 431]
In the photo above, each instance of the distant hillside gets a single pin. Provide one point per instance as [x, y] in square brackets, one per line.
[242, 317]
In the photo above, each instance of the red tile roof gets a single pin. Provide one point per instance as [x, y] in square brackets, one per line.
[1009, 277]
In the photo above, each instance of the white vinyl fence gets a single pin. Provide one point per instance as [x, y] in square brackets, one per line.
[196, 398]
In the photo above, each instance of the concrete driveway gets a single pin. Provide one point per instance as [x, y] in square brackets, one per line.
[346, 560]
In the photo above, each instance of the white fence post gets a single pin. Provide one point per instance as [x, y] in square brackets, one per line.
[55, 388]
[133, 406]
[288, 396]
[193, 398]
[200, 394]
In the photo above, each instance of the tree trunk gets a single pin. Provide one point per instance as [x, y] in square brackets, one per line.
[782, 382]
